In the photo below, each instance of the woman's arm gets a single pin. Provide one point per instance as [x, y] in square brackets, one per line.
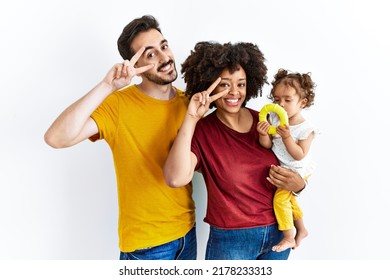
[180, 164]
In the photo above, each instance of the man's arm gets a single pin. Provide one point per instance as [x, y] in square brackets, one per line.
[75, 123]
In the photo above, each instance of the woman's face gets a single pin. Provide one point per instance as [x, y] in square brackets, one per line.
[236, 83]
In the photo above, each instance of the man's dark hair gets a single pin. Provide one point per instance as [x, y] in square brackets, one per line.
[131, 30]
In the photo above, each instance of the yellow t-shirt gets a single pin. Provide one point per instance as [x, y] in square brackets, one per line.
[140, 131]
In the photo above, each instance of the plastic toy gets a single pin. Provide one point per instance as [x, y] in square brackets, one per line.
[277, 109]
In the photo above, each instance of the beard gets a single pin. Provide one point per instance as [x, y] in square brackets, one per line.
[155, 78]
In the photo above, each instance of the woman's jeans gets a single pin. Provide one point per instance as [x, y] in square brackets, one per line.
[245, 244]
[184, 248]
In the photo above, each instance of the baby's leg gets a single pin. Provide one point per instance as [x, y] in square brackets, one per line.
[301, 232]
[288, 241]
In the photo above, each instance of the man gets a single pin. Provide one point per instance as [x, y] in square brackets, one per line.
[139, 123]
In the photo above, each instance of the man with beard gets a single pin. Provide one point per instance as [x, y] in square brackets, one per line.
[139, 123]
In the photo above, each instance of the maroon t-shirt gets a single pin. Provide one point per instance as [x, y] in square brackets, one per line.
[234, 167]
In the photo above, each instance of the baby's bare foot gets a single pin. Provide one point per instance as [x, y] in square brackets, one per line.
[283, 245]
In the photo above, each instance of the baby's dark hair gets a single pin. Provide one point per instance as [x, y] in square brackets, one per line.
[131, 30]
[302, 83]
[208, 59]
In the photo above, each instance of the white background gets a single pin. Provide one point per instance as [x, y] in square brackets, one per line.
[61, 204]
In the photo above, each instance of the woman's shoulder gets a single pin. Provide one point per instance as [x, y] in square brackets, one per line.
[211, 117]
[255, 115]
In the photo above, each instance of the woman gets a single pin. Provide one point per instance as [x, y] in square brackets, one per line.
[224, 147]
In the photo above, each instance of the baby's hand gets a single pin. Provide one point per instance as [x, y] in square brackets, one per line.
[262, 128]
[283, 131]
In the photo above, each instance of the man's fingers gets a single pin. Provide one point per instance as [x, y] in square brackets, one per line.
[124, 66]
[135, 57]
[117, 70]
[143, 69]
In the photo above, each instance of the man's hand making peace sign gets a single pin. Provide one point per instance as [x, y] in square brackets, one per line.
[121, 74]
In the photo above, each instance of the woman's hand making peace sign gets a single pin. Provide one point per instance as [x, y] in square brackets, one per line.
[200, 102]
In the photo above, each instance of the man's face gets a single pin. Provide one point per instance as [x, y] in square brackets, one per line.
[156, 52]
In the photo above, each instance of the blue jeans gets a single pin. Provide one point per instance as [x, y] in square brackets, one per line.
[184, 248]
[245, 244]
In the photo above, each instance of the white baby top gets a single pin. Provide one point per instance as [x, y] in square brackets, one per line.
[298, 132]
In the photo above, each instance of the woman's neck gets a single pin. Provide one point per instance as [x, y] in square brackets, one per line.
[241, 121]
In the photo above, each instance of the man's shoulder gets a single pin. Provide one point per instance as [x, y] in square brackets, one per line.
[179, 91]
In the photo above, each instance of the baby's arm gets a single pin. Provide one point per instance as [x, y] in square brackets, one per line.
[297, 150]
[264, 138]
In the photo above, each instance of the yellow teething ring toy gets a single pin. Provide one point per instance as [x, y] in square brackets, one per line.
[277, 109]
